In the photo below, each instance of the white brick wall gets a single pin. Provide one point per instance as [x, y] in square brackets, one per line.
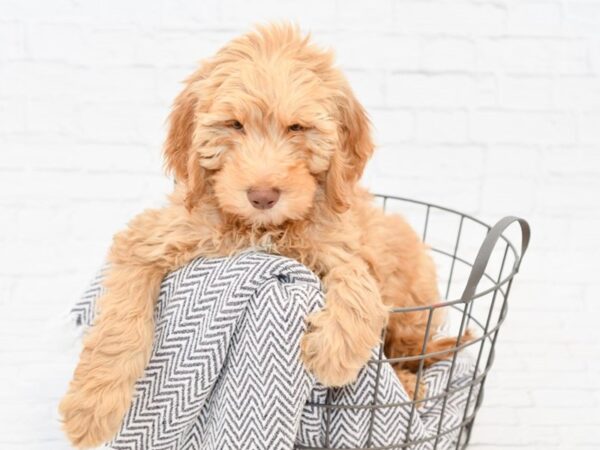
[489, 106]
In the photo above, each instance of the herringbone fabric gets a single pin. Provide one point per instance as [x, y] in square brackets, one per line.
[225, 371]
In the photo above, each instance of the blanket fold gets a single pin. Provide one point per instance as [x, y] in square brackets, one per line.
[225, 370]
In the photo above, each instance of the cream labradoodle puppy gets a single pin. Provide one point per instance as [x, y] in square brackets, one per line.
[267, 143]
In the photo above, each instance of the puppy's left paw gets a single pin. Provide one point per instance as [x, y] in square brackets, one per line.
[332, 354]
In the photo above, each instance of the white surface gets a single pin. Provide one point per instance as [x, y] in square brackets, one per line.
[491, 107]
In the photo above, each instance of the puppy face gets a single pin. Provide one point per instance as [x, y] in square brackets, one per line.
[268, 139]
[268, 127]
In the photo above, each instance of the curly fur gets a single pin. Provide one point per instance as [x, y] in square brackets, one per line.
[230, 130]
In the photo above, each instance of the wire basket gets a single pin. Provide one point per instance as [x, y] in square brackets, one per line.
[476, 266]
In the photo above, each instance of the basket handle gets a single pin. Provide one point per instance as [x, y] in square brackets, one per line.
[486, 249]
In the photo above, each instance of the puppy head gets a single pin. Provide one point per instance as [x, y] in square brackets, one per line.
[268, 127]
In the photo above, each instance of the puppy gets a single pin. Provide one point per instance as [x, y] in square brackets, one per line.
[267, 143]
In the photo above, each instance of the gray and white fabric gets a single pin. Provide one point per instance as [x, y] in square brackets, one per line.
[225, 371]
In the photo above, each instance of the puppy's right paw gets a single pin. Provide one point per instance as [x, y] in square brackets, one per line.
[96, 402]
[91, 418]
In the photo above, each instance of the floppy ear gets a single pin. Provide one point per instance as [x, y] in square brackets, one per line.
[179, 137]
[180, 159]
[356, 147]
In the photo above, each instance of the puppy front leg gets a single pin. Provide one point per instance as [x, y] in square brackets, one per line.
[114, 355]
[342, 335]
[117, 347]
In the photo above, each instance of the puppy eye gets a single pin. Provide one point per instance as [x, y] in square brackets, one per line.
[236, 125]
[296, 127]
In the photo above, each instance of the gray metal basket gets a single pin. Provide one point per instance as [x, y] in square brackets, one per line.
[476, 265]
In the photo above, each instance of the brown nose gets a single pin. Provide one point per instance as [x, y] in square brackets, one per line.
[263, 198]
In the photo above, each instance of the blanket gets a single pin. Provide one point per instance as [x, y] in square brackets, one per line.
[225, 371]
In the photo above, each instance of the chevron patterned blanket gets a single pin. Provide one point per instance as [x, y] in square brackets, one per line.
[225, 371]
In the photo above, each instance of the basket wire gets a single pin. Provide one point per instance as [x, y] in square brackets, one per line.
[481, 306]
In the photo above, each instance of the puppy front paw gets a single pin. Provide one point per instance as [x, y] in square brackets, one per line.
[94, 406]
[331, 353]
[90, 419]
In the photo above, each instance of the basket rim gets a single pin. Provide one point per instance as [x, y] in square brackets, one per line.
[497, 284]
